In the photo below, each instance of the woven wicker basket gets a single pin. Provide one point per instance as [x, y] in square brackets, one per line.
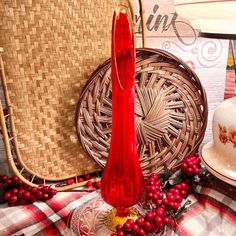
[170, 111]
[50, 49]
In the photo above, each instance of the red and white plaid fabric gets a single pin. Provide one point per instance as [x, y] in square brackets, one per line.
[212, 213]
[40, 218]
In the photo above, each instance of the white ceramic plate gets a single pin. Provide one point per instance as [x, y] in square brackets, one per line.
[219, 167]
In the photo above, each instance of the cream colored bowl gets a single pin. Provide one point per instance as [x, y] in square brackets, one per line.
[219, 156]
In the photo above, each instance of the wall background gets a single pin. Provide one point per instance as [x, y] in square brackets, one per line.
[207, 57]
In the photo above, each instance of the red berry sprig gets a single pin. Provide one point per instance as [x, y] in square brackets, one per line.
[162, 207]
[18, 193]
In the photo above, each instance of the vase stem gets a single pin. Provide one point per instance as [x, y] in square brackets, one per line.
[122, 179]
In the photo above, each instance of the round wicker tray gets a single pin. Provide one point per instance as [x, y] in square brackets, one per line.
[170, 111]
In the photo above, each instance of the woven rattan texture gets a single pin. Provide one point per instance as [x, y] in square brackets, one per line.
[170, 111]
[50, 49]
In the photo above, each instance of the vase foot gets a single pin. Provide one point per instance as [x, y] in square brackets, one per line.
[111, 219]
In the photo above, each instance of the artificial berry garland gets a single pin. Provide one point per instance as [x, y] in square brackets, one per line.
[15, 192]
[162, 207]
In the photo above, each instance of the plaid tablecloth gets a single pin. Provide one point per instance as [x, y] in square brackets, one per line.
[212, 212]
[40, 218]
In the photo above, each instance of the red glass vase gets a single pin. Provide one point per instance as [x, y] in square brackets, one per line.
[122, 180]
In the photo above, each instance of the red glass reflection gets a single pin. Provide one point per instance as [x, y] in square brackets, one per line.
[122, 180]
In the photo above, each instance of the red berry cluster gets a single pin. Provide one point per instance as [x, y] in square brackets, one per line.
[175, 195]
[163, 206]
[191, 165]
[18, 193]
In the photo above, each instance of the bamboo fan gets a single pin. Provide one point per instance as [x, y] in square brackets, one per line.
[50, 49]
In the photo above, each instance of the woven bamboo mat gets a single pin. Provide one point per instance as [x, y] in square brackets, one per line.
[50, 49]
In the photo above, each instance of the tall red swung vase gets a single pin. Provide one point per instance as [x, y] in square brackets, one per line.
[122, 180]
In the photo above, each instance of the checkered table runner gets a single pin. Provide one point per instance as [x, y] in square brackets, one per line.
[212, 212]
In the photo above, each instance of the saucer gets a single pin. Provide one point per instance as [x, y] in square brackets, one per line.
[220, 166]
